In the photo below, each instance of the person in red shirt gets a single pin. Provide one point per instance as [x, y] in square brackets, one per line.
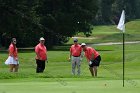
[75, 56]
[41, 56]
[12, 60]
[93, 57]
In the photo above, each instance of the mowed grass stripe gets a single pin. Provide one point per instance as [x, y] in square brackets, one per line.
[102, 86]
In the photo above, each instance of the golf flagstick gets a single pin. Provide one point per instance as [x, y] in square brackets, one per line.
[123, 57]
[121, 26]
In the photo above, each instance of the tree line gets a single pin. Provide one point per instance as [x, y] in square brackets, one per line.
[109, 11]
[58, 20]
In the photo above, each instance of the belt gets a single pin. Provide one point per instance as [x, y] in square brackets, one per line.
[76, 56]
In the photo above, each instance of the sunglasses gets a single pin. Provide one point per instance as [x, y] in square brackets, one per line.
[14, 41]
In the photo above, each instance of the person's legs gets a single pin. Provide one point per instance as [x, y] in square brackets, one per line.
[91, 71]
[42, 66]
[91, 68]
[78, 63]
[73, 65]
[38, 68]
[95, 65]
[11, 66]
[16, 67]
[95, 71]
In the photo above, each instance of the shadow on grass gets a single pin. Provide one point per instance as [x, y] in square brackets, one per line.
[64, 47]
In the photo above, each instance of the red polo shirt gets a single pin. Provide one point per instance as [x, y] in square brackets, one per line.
[89, 51]
[13, 50]
[76, 50]
[41, 51]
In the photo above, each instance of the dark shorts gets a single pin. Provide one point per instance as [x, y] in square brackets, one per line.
[96, 61]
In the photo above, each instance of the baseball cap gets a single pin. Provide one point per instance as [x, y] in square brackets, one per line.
[83, 44]
[41, 39]
[75, 40]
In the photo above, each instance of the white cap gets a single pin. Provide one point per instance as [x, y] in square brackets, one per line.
[83, 44]
[41, 39]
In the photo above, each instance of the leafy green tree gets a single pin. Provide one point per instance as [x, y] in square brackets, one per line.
[56, 20]
[67, 17]
[18, 19]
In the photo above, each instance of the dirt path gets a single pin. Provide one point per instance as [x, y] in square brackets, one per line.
[118, 43]
[85, 37]
[108, 43]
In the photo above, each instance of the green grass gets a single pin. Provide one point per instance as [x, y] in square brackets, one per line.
[72, 86]
[59, 67]
[57, 75]
[112, 34]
